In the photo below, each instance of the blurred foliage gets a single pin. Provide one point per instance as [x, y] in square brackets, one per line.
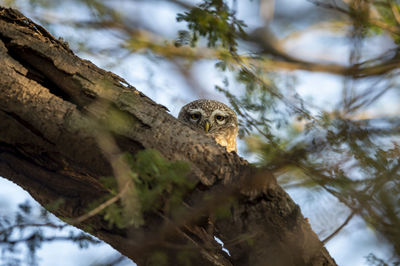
[31, 227]
[159, 183]
[349, 151]
[375, 261]
[213, 20]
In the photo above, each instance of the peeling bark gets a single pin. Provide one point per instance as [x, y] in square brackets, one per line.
[50, 109]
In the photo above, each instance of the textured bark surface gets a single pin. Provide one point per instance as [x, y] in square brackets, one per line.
[49, 113]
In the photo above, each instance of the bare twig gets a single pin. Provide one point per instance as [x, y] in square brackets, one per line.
[99, 208]
[340, 227]
[50, 239]
[21, 226]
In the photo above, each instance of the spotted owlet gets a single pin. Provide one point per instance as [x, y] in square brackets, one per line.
[214, 118]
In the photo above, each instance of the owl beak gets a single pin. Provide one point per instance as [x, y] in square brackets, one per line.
[207, 126]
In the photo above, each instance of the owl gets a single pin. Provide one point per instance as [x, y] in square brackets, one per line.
[214, 119]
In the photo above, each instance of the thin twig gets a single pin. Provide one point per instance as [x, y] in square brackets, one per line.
[50, 239]
[51, 225]
[339, 228]
[99, 208]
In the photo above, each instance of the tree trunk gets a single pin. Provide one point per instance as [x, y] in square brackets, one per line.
[51, 106]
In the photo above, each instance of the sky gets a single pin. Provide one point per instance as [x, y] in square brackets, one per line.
[160, 81]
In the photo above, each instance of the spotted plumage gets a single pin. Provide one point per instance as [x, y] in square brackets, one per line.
[214, 119]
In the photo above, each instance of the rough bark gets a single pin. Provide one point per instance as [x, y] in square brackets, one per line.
[49, 118]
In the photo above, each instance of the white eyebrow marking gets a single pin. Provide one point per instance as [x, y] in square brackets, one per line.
[193, 111]
[196, 111]
[218, 112]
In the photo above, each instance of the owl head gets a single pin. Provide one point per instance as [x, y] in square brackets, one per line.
[213, 118]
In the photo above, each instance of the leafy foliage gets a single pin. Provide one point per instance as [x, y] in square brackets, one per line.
[212, 19]
[160, 184]
[160, 177]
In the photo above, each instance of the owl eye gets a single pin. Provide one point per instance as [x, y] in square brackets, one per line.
[195, 116]
[220, 118]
